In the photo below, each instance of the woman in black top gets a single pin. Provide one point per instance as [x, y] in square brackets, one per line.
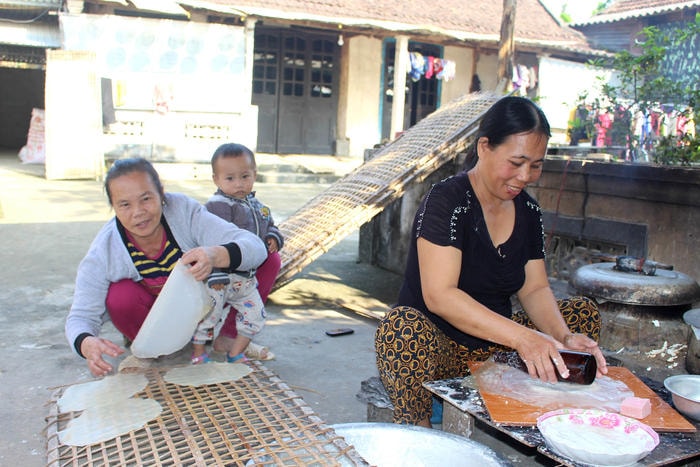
[477, 240]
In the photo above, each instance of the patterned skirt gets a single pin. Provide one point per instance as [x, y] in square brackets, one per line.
[412, 350]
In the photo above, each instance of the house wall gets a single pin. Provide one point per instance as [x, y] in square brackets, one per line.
[622, 35]
[363, 118]
[210, 104]
[178, 89]
[613, 36]
[458, 86]
[560, 83]
[487, 69]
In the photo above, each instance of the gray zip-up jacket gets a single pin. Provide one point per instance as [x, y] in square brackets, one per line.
[108, 260]
[248, 213]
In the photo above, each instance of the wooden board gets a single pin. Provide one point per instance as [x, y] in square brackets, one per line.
[663, 417]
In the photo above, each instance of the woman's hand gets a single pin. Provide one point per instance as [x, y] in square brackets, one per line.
[93, 348]
[583, 343]
[541, 355]
[201, 261]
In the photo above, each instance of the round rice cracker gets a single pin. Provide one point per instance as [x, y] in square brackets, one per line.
[104, 391]
[211, 373]
[104, 422]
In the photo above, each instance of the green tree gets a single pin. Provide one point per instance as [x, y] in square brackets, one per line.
[651, 78]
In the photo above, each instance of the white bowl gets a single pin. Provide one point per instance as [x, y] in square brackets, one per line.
[685, 393]
[597, 437]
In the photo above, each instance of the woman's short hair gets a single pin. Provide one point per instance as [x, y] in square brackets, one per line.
[133, 164]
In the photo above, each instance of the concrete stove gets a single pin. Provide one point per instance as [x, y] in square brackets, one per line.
[641, 307]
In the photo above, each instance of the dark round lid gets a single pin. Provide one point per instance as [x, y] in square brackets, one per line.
[664, 288]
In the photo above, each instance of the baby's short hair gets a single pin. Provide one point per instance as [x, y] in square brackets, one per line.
[232, 150]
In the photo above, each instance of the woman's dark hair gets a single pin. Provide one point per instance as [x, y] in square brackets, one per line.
[511, 115]
[127, 166]
[232, 150]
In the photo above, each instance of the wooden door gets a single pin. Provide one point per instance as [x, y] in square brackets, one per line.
[295, 89]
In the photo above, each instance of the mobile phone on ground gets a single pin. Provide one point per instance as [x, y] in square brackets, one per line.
[339, 332]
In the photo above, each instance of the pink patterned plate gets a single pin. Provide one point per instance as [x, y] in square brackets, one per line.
[597, 437]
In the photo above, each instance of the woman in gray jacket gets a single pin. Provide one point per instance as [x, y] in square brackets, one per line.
[133, 254]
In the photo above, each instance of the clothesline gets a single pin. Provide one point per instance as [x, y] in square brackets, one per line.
[427, 66]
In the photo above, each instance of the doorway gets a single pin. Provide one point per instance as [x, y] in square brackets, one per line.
[295, 88]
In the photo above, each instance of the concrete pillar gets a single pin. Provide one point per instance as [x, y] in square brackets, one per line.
[249, 56]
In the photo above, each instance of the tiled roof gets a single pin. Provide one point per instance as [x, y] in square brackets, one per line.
[626, 9]
[473, 19]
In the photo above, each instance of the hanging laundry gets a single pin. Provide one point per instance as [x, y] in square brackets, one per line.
[437, 67]
[521, 77]
[622, 126]
[430, 63]
[683, 125]
[448, 71]
[656, 122]
[647, 130]
[417, 65]
[430, 67]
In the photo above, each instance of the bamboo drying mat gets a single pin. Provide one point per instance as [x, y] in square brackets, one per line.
[363, 193]
[256, 420]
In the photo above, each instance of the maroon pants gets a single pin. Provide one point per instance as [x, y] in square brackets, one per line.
[128, 303]
[266, 276]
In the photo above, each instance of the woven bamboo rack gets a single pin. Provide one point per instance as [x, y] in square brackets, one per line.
[254, 421]
[363, 193]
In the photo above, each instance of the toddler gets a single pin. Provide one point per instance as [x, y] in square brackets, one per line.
[234, 170]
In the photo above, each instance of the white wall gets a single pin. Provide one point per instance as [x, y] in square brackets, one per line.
[73, 123]
[463, 73]
[487, 69]
[364, 76]
[203, 65]
[179, 87]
